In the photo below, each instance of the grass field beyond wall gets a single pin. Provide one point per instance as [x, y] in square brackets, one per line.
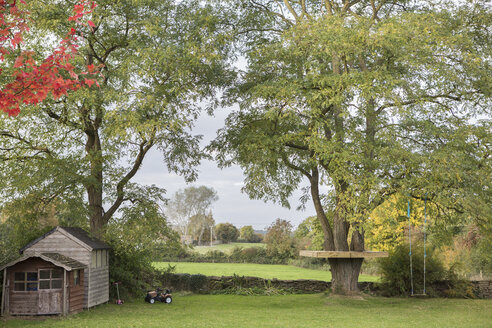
[276, 311]
[267, 271]
[226, 248]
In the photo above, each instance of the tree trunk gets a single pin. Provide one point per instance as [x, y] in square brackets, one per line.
[345, 275]
[328, 243]
[345, 271]
[200, 235]
[96, 217]
[94, 186]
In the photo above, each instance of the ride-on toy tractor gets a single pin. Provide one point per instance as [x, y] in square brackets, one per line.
[159, 295]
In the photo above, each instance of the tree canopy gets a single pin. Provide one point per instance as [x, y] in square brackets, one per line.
[158, 60]
[366, 99]
[26, 79]
[187, 210]
[226, 232]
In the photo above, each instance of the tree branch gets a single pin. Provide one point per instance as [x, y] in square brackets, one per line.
[145, 146]
[292, 166]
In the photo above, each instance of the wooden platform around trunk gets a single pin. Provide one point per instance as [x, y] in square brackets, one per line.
[343, 255]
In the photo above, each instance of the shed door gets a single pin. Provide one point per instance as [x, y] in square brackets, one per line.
[50, 291]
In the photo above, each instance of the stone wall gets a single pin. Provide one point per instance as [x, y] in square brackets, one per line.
[200, 283]
[308, 286]
[483, 288]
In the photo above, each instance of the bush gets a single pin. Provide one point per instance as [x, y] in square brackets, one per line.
[248, 235]
[280, 243]
[395, 271]
[134, 240]
[226, 232]
[183, 281]
[133, 270]
[238, 255]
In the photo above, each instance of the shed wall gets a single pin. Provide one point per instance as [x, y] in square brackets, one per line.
[76, 293]
[25, 302]
[96, 280]
[59, 243]
[98, 286]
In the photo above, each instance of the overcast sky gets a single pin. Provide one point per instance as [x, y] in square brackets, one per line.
[233, 206]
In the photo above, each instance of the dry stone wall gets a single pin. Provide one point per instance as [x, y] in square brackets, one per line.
[200, 283]
[483, 288]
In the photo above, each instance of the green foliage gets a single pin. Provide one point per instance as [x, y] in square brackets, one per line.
[199, 227]
[25, 219]
[188, 208]
[361, 101]
[310, 233]
[279, 240]
[132, 270]
[236, 255]
[159, 61]
[247, 234]
[469, 253]
[253, 255]
[134, 239]
[482, 256]
[395, 271]
[183, 281]
[226, 232]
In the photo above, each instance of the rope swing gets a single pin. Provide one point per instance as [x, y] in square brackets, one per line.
[410, 244]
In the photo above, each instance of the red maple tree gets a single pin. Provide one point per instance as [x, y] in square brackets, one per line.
[32, 82]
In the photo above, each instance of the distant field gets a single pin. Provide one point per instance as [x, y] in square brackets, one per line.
[267, 271]
[287, 311]
[226, 248]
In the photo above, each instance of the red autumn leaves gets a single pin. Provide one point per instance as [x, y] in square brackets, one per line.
[32, 82]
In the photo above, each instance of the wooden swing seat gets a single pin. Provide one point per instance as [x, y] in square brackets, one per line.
[343, 255]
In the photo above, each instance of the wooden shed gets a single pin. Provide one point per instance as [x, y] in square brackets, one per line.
[76, 244]
[48, 283]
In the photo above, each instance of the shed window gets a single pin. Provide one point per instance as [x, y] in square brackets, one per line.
[76, 278]
[50, 278]
[25, 281]
[104, 258]
[99, 259]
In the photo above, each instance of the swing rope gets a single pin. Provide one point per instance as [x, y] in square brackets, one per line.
[425, 236]
[410, 245]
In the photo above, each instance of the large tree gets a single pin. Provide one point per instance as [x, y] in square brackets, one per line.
[200, 224]
[187, 209]
[363, 99]
[159, 60]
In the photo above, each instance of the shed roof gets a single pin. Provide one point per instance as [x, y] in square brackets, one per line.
[79, 234]
[63, 261]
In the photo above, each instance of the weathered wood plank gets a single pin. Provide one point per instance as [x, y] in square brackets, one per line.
[7, 294]
[77, 297]
[2, 303]
[339, 254]
[24, 303]
[65, 286]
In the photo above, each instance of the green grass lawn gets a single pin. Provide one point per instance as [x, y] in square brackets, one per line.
[276, 311]
[268, 271]
[226, 248]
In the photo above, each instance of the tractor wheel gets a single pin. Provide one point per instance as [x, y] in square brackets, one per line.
[151, 301]
[168, 299]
